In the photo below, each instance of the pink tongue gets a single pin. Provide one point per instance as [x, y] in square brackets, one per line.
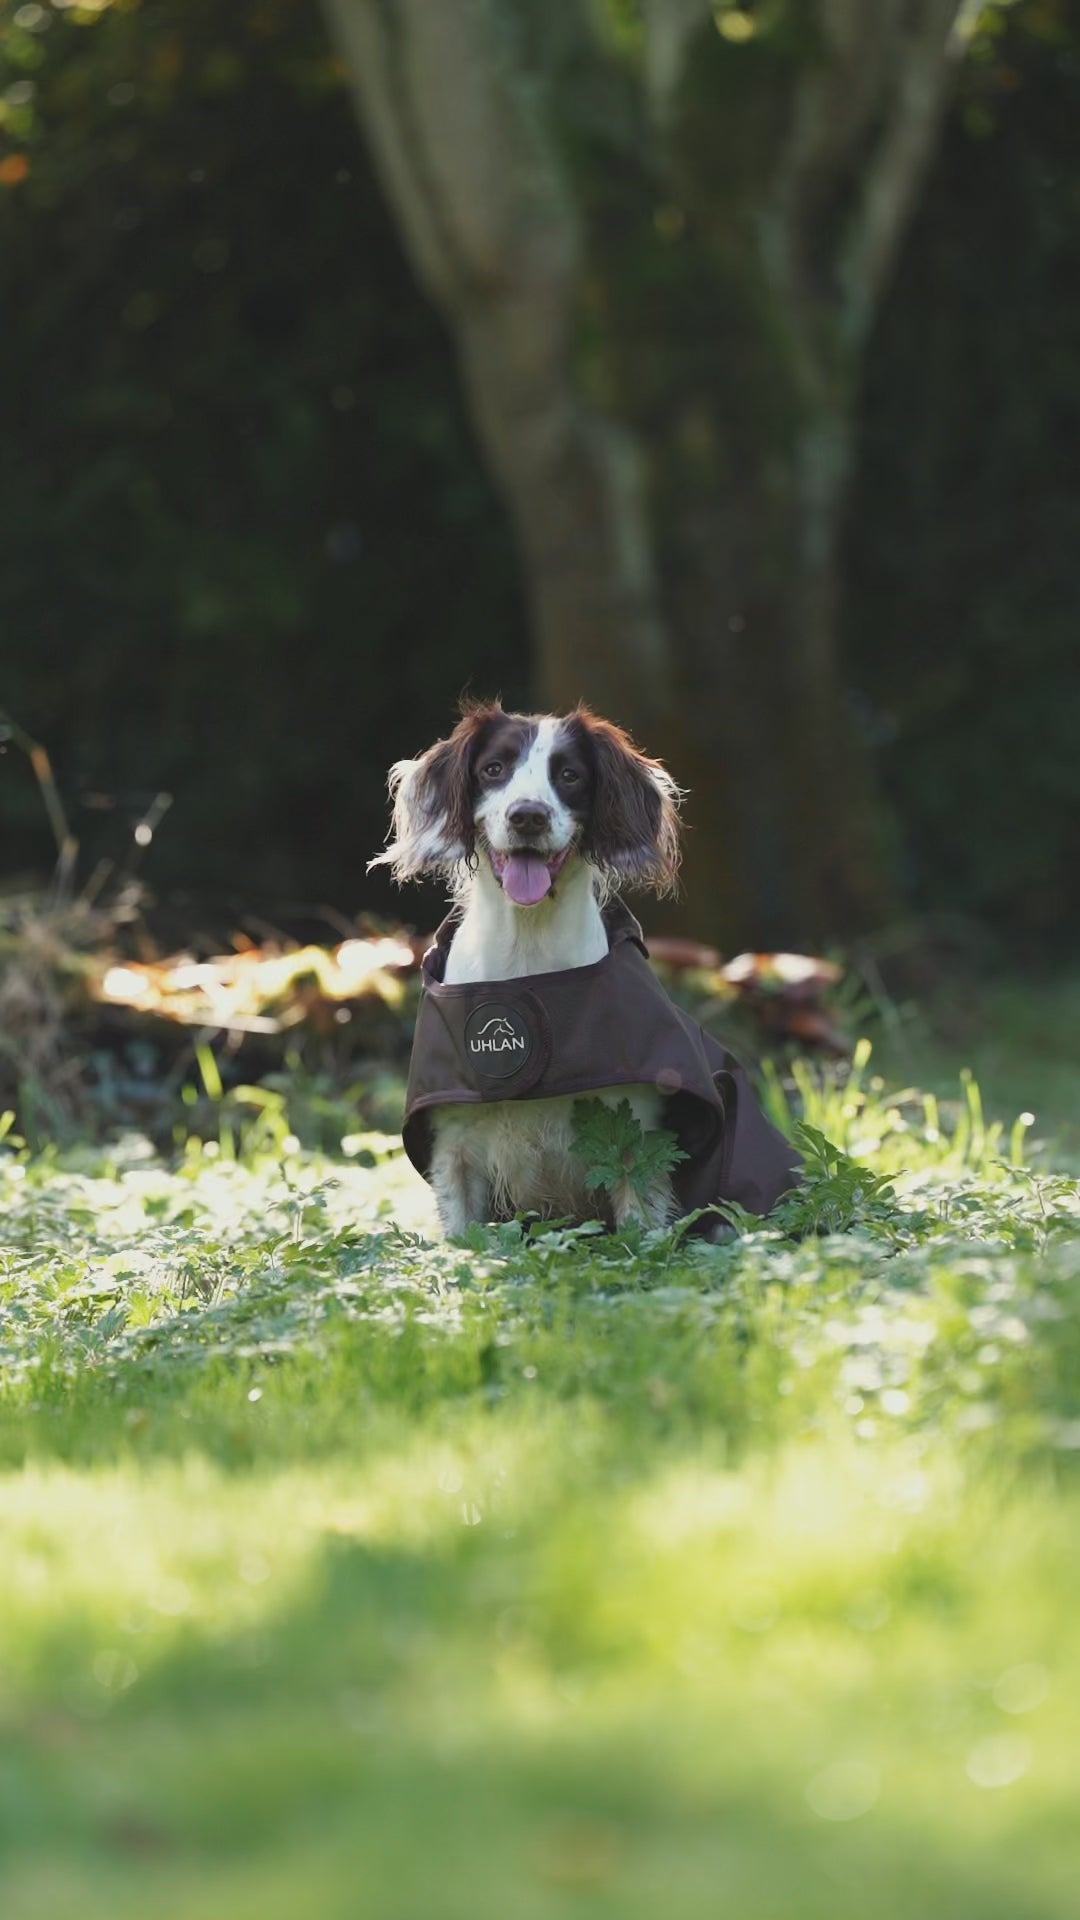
[526, 879]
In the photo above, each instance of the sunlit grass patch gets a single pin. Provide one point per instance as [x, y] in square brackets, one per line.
[649, 1660]
[541, 1574]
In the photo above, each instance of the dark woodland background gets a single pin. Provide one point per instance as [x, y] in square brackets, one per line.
[250, 552]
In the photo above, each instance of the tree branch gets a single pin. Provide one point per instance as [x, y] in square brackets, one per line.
[895, 168]
[453, 111]
[669, 27]
[834, 101]
[455, 134]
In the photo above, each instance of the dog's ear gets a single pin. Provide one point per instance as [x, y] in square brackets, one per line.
[433, 830]
[633, 828]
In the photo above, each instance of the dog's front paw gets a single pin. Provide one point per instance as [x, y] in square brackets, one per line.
[461, 1195]
[656, 1208]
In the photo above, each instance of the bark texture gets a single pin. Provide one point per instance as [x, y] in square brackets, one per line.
[660, 239]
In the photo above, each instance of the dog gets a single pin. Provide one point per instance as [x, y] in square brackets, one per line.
[535, 820]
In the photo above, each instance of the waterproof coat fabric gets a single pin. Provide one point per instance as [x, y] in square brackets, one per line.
[586, 1028]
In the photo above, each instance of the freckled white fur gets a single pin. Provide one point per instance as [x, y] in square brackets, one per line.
[530, 780]
[418, 842]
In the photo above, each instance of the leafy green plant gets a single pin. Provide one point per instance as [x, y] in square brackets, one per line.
[617, 1152]
[836, 1193]
[900, 1128]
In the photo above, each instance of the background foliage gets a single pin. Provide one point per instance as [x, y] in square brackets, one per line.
[963, 588]
[234, 451]
[236, 456]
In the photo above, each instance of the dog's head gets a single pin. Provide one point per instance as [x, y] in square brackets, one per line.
[529, 793]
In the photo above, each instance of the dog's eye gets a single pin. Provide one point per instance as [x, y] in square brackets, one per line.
[568, 777]
[492, 770]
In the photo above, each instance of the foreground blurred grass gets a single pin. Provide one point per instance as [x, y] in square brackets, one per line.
[349, 1574]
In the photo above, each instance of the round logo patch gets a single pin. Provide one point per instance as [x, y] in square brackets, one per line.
[498, 1041]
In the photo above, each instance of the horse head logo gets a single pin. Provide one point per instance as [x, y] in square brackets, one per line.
[498, 1041]
[498, 1028]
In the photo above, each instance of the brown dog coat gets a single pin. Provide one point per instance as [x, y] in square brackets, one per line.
[585, 1028]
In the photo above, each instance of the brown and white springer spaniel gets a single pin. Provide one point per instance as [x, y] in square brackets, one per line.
[534, 820]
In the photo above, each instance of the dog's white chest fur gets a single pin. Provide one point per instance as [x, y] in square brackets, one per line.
[496, 941]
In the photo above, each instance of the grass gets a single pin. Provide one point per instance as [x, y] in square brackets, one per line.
[347, 1573]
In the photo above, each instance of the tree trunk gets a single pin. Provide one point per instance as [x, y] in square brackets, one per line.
[660, 272]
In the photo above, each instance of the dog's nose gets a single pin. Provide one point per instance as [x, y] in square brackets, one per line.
[529, 818]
